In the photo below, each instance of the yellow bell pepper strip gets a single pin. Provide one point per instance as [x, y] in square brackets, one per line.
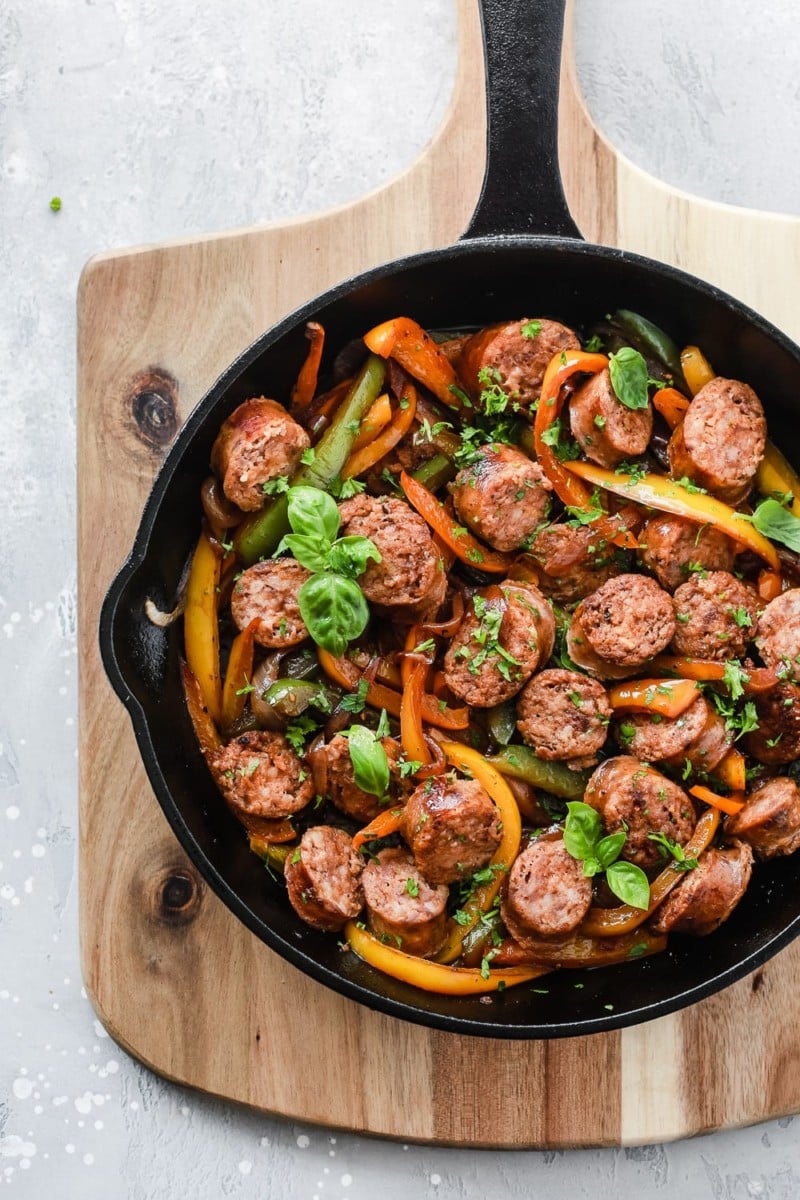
[434, 976]
[347, 675]
[697, 370]
[415, 350]
[262, 832]
[580, 951]
[561, 368]
[205, 730]
[777, 477]
[754, 681]
[460, 540]
[238, 675]
[376, 419]
[672, 405]
[306, 384]
[201, 624]
[770, 584]
[382, 826]
[664, 494]
[612, 922]
[469, 761]
[732, 771]
[668, 697]
[274, 856]
[519, 762]
[727, 804]
[388, 438]
[412, 736]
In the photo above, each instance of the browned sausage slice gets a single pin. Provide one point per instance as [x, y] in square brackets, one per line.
[721, 440]
[699, 734]
[668, 545]
[630, 795]
[341, 787]
[627, 620]
[606, 430]
[776, 741]
[404, 909]
[502, 496]
[267, 593]
[259, 441]
[547, 893]
[715, 616]
[260, 774]
[564, 716]
[452, 828]
[708, 894]
[323, 878]
[410, 566]
[573, 562]
[770, 820]
[778, 636]
[521, 360]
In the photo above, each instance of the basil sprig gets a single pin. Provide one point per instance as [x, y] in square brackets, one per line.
[331, 603]
[629, 377]
[369, 759]
[582, 830]
[776, 523]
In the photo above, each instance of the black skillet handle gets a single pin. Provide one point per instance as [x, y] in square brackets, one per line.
[522, 191]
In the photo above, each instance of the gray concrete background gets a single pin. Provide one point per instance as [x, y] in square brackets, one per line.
[151, 121]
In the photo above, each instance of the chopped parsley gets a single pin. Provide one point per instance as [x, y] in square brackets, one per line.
[531, 329]
[276, 487]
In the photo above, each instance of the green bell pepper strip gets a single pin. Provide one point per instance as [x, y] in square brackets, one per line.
[291, 697]
[435, 472]
[651, 338]
[502, 722]
[519, 762]
[259, 534]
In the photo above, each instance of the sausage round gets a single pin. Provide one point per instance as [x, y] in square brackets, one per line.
[267, 593]
[627, 620]
[776, 741]
[452, 827]
[414, 920]
[502, 496]
[564, 716]
[606, 430]
[699, 734]
[260, 774]
[491, 657]
[573, 562]
[630, 795]
[721, 440]
[668, 544]
[342, 789]
[259, 441]
[521, 361]
[708, 894]
[323, 878]
[547, 893]
[770, 820]
[778, 634]
[410, 565]
[715, 616]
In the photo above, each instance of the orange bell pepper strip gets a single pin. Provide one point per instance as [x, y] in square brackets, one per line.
[669, 697]
[561, 368]
[470, 762]
[770, 584]
[777, 477]
[386, 823]
[732, 771]
[201, 624]
[347, 674]
[611, 922]
[263, 832]
[205, 730]
[581, 951]
[697, 370]
[672, 405]
[756, 680]
[415, 350]
[399, 426]
[306, 384]
[434, 976]
[376, 419]
[460, 540]
[412, 736]
[726, 804]
[664, 494]
[238, 675]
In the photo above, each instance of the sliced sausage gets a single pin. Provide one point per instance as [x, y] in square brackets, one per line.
[573, 561]
[776, 741]
[452, 348]
[267, 593]
[715, 616]
[502, 496]
[721, 440]
[452, 827]
[630, 795]
[699, 734]
[499, 644]
[547, 893]
[627, 620]
[410, 565]
[402, 907]
[341, 787]
[581, 653]
[778, 634]
[606, 430]
[770, 820]
[259, 441]
[564, 716]
[708, 894]
[520, 360]
[668, 545]
[260, 774]
[323, 878]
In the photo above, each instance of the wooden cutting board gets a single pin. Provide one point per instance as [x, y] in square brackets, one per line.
[175, 978]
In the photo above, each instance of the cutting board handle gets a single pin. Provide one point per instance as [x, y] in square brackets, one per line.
[522, 190]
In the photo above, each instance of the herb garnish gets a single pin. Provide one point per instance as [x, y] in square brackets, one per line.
[582, 830]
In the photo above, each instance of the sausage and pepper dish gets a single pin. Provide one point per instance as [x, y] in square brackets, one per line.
[510, 627]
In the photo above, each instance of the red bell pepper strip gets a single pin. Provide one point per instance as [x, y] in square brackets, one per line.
[306, 384]
[726, 804]
[561, 368]
[460, 540]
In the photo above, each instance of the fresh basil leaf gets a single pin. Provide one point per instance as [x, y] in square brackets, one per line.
[581, 829]
[628, 371]
[608, 849]
[309, 549]
[629, 882]
[334, 611]
[312, 511]
[591, 867]
[370, 763]
[350, 555]
[777, 523]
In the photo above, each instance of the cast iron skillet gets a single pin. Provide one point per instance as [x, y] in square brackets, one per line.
[522, 255]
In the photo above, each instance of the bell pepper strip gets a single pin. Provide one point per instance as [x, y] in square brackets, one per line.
[613, 922]
[434, 976]
[386, 440]
[412, 735]
[347, 675]
[382, 826]
[651, 338]
[201, 624]
[732, 771]
[274, 855]
[465, 547]
[435, 472]
[672, 405]
[409, 659]
[306, 384]
[519, 762]
[415, 350]
[668, 697]
[727, 804]
[260, 533]
[581, 951]
[754, 681]
[770, 584]
[322, 407]
[263, 832]
[561, 368]
[205, 730]
[376, 419]
[776, 477]
[469, 761]
[238, 675]
[697, 370]
[664, 494]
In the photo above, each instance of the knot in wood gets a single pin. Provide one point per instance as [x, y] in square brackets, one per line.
[176, 896]
[153, 403]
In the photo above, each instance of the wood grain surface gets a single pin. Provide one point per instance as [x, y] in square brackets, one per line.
[175, 978]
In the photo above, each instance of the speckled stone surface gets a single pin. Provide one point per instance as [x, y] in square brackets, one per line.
[152, 121]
